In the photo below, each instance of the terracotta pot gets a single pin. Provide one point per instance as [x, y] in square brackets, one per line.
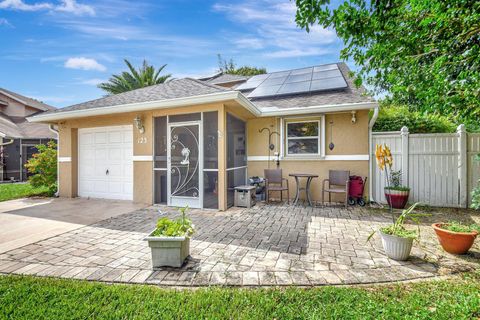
[454, 242]
[397, 198]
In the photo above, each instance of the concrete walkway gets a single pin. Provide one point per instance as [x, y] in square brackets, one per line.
[25, 221]
[267, 245]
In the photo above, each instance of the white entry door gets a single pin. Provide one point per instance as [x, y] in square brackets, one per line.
[105, 156]
[185, 164]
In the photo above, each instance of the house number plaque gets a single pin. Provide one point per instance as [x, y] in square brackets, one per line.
[142, 140]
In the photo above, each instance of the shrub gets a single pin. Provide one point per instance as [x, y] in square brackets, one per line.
[43, 167]
[182, 227]
[456, 226]
[393, 118]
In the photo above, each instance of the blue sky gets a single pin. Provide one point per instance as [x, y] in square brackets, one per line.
[57, 51]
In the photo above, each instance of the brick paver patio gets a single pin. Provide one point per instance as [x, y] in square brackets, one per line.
[262, 246]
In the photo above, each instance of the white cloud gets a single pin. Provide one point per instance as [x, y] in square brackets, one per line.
[249, 43]
[84, 64]
[92, 82]
[4, 22]
[22, 6]
[67, 6]
[272, 27]
[71, 6]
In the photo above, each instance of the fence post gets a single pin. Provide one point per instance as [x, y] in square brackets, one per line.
[404, 136]
[462, 166]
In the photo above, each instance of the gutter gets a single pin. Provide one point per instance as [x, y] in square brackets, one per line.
[370, 150]
[150, 105]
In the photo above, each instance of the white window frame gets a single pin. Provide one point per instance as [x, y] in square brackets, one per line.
[320, 119]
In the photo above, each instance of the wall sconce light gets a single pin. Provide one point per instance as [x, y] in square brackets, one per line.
[139, 124]
[354, 117]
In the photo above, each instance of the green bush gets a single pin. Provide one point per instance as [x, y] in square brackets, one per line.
[393, 118]
[182, 227]
[43, 167]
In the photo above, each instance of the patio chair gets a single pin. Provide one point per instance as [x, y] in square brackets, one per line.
[274, 182]
[338, 181]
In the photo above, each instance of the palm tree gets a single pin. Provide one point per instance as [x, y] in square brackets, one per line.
[133, 79]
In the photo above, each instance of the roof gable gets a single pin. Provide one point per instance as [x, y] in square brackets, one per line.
[26, 100]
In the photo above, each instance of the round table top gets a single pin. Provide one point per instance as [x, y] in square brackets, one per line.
[303, 175]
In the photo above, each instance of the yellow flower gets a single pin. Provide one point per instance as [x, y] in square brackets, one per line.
[383, 156]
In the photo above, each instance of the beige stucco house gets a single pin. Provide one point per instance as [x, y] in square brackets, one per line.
[190, 141]
[18, 137]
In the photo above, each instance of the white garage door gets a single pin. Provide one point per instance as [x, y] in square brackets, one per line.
[105, 162]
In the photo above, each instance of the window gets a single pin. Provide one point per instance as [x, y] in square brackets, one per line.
[303, 137]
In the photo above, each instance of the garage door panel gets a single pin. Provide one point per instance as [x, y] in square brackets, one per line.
[102, 149]
[100, 137]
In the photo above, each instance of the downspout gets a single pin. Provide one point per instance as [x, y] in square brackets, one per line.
[370, 150]
[51, 128]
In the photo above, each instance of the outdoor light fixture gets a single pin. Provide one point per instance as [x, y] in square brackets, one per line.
[139, 124]
[354, 117]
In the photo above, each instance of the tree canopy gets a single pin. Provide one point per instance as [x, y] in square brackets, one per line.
[422, 53]
[132, 79]
[230, 67]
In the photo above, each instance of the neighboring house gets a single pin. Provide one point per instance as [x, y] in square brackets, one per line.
[18, 137]
[189, 141]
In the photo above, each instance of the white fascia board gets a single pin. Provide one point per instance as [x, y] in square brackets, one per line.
[203, 99]
[270, 112]
[150, 105]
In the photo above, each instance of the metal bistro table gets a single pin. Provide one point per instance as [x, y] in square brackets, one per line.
[307, 186]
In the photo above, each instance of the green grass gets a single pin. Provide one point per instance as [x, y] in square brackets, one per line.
[25, 297]
[9, 191]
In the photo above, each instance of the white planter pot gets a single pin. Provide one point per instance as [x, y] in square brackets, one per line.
[396, 248]
[168, 251]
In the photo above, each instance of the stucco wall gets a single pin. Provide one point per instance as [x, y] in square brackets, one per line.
[351, 141]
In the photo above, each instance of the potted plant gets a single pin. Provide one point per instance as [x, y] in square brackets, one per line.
[455, 237]
[396, 194]
[170, 241]
[397, 241]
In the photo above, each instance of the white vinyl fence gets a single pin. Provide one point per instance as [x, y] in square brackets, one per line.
[439, 168]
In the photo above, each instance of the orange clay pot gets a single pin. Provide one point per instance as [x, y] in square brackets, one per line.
[454, 242]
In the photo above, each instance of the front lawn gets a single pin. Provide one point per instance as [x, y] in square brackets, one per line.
[43, 298]
[9, 191]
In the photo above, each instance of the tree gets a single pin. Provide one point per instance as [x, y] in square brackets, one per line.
[132, 79]
[230, 67]
[43, 167]
[423, 53]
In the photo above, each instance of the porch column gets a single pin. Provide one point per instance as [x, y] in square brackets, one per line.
[67, 161]
[222, 158]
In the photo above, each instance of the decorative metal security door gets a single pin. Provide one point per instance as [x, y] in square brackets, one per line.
[185, 165]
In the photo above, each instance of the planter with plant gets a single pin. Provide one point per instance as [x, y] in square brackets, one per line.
[395, 193]
[397, 241]
[170, 241]
[455, 237]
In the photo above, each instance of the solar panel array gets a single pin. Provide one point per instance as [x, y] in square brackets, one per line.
[318, 78]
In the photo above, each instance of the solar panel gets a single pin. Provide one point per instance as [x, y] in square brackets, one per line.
[299, 77]
[294, 87]
[317, 78]
[326, 74]
[264, 91]
[327, 84]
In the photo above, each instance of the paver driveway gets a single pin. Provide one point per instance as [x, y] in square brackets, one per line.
[264, 245]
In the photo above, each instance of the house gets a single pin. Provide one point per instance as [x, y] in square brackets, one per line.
[18, 137]
[190, 141]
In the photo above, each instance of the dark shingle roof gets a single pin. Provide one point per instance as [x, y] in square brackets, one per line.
[351, 94]
[28, 101]
[224, 78]
[19, 127]
[177, 88]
